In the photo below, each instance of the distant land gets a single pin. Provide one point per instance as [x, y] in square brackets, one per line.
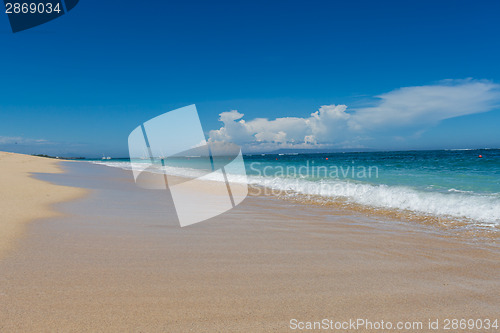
[352, 150]
[317, 151]
[59, 157]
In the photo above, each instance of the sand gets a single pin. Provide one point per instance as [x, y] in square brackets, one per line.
[118, 261]
[24, 198]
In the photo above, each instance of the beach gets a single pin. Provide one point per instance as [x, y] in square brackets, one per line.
[117, 260]
[24, 198]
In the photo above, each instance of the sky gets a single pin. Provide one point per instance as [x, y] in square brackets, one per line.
[267, 75]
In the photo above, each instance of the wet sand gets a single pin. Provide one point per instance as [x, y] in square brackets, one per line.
[117, 260]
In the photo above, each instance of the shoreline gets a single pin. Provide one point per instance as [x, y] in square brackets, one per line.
[24, 199]
[119, 261]
[445, 226]
[468, 230]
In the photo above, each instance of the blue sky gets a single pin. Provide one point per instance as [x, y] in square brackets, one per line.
[80, 84]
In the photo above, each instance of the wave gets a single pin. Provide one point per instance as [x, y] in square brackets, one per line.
[173, 171]
[481, 208]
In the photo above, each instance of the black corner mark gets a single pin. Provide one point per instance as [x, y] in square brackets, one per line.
[70, 4]
[26, 14]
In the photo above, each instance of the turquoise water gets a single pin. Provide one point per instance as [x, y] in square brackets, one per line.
[459, 170]
[451, 183]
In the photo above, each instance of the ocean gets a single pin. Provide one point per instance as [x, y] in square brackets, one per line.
[452, 184]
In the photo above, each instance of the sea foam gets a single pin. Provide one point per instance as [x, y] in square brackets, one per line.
[480, 208]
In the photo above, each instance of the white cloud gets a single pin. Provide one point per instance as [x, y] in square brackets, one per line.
[428, 105]
[333, 126]
[284, 132]
[10, 140]
[19, 144]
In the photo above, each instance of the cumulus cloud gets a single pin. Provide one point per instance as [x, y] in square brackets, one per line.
[321, 127]
[334, 126]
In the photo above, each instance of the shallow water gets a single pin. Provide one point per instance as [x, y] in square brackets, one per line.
[454, 184]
